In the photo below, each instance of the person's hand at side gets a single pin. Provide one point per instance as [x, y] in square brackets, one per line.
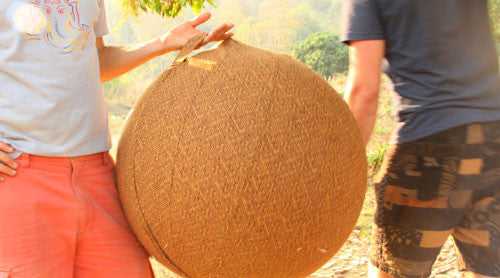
[8, 165]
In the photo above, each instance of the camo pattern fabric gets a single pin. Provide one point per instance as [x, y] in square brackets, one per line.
[445, 184]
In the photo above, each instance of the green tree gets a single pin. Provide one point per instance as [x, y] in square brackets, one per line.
[165, 8]
[324, 53]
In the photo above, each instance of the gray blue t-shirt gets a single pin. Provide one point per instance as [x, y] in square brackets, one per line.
[51, 100]
[440, 57]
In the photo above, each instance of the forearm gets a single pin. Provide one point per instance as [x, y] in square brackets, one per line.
[117, 60]
[364, 106]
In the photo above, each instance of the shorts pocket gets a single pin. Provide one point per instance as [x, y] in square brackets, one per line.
[4, 272]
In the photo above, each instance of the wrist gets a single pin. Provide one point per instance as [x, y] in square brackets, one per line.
[159, 47]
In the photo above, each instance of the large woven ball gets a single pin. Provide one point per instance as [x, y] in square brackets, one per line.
[240, 162]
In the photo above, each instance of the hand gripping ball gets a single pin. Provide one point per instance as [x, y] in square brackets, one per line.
[240, 162]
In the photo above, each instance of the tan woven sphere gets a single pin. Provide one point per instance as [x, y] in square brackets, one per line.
[240, 162]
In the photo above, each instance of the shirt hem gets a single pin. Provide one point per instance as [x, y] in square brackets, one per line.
[414, 136]
[361, 37]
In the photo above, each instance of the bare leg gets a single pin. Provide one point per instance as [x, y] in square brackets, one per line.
[374, 272]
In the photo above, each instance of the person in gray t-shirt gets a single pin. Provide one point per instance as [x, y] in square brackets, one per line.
[441, 176]
[53, 60]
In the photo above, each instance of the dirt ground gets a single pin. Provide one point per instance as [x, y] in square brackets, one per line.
[352, 260]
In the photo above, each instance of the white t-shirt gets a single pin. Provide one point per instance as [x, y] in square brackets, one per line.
[51, 100]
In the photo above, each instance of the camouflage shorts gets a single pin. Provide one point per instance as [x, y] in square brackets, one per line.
[445, 184]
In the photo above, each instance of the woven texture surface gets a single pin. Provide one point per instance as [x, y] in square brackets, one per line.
[240, 162]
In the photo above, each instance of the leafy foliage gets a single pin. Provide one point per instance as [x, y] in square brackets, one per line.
[324, 53]
[165, 8]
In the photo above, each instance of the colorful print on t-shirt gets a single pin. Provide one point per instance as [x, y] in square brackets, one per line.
[57, 22]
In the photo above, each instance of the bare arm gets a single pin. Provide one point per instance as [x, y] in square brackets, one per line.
[365, 62]
[117, 60]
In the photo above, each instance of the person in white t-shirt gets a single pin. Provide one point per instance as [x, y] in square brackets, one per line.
[59, 211]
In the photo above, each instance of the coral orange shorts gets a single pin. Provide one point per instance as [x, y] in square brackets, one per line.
[60, 217]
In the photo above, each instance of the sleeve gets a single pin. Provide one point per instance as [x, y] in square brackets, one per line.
[361, 21]
[101, 27]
